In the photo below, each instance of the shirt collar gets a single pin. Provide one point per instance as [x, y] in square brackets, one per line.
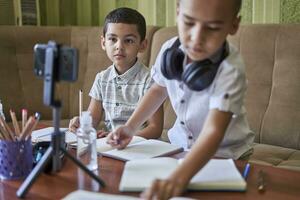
[128, 75]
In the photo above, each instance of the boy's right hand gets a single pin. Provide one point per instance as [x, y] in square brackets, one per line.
[74, 124]
[102, 134]
[120, 137]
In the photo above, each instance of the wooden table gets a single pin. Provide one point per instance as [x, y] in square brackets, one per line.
[280, 183]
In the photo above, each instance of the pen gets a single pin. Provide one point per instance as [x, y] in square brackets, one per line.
[38, 155]
[261, 181]
[246, 171]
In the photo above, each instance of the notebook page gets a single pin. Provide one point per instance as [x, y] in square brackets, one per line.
[143, 150]
[102, 146]
[139, 174]
[45, 135]
[218, 174]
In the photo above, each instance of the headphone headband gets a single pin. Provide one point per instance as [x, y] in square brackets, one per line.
[198, 75]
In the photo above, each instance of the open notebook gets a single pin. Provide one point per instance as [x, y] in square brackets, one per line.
[82, 194]
[138, 148]
[44, 134]
[216, 175]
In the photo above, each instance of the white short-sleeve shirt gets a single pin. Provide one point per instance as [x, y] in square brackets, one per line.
[120, 94]
[226, 93]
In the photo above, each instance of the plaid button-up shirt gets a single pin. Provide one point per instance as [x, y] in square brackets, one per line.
[120, 94]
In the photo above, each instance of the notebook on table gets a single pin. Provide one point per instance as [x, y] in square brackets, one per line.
[138, 148]
[44, 135]
[82, 194]
[216, 175]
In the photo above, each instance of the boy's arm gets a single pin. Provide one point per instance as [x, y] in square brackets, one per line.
[154, 126]
[205, 147]
[150, 103]
[96, 109]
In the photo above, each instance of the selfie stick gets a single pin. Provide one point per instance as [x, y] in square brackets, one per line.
[57, 146]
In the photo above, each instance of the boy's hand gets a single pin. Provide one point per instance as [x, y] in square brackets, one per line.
[120, 138]
[164, 189]
[74, 124]
[102, 134]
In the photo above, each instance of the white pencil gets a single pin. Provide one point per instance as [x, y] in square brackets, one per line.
[80, 103]
[111, 121]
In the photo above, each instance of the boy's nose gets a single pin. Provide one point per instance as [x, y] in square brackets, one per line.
[119, 45]
[198, 34]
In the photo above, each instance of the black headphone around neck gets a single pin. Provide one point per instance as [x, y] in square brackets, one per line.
[197, 75]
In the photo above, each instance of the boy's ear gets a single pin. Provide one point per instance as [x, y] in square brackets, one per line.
[177, 7]
[103, 42]
[235, 25]
[143, 45]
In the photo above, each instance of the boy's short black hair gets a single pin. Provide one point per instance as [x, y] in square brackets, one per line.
[238, 6]
[126, 16]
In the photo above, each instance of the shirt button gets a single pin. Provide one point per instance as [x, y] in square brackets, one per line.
[190, 137]
[119, 87]
[119, 78]
[117, 104]
[182, 101]
[182, 123]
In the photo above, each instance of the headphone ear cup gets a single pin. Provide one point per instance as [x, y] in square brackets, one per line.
[199, 75]
[172, 63]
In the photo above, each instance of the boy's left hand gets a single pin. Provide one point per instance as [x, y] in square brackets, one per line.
[162, 189]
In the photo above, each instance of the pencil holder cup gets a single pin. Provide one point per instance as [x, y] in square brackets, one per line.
[15, 159]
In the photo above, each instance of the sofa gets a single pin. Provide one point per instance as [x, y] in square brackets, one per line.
[271, 53]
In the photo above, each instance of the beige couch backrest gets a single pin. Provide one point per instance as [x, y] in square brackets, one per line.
[272, 57]
[271, 54]
[20, 88]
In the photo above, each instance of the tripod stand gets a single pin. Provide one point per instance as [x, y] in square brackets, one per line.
[57, 146]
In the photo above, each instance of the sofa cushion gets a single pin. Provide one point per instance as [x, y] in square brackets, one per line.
[276, 156]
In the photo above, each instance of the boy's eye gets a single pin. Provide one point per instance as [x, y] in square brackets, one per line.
[213, 28]
[129, 41]
[188, 23]
[112, 39]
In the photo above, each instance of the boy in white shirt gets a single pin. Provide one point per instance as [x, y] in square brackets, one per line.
[204, 77]
[118, 89]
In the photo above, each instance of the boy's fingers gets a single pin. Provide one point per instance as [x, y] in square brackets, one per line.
[101, 134]
[110, 140]
[150, 193]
